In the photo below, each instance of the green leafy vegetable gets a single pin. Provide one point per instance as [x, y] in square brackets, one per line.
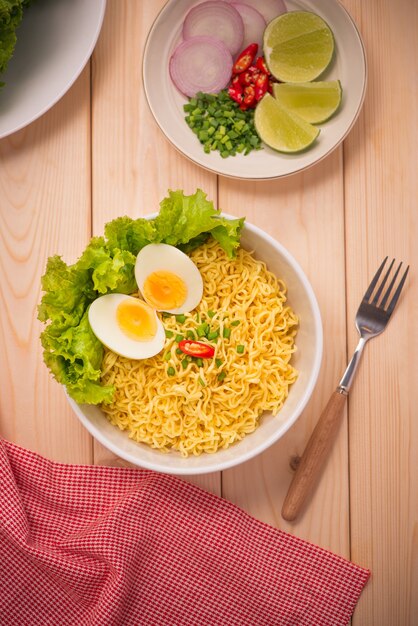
[11, 14]
[111, 269]
[186, 222]
[125, 233]
[228, 235]
[71, 350]
[74, 357]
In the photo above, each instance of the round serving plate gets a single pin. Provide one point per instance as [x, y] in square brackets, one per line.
[166, 102]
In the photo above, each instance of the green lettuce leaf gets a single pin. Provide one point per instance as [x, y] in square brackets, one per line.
[65, 298]
[71, 350]
[74, 358]
[11, 14]
[194, 243]
[109, 271]
[182, 218]
[124, 233]
[10, 17]
[228, 235]
[185, 221]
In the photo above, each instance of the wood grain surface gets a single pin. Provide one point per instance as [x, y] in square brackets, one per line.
[98, 154]
[381, 192]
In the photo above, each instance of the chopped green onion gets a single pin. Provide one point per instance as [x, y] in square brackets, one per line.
[181, 318]
[202, 382]
[184, 363]
[221, 376]
[236, 323]
[214, 334]
[168, 333]
[199, 362]
[201, 329]
[218, 362]
[171, 371]
[178, 351]
[240, 349]
[190, 334]
[226, 333]
[211, 314]
[167, 356]
[179, 338]
[218, 117]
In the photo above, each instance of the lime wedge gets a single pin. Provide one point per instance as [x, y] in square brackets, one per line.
[314, 102]
[282, 129]
[298, 46]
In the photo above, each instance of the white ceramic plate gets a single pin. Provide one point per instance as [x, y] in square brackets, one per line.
[54, 42]
[307, 360]
[166, 103]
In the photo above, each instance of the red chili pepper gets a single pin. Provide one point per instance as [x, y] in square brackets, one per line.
[245, 78]
[235, 90]
[261, 85]
[245, 59]
[249, 98]
[248, 77]
[261, 65]
[196, 348]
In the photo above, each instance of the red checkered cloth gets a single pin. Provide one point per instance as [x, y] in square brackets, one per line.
[97, 546]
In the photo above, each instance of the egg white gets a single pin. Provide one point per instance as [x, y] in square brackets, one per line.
[103, 322]
[162, 257]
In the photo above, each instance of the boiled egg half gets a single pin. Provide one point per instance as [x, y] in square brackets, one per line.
[168, 279]
[127, 326]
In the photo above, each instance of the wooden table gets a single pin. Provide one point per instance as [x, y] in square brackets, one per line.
[98, 154]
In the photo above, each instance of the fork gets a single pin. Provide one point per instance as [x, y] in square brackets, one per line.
[372, 318]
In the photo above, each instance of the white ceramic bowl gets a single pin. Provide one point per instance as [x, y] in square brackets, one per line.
[307, 360]
[54, 43]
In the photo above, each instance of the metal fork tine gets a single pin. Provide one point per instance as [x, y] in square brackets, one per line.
[383, 283]
[373, 284]
[374, 281]
[397, 293]
[389, 289]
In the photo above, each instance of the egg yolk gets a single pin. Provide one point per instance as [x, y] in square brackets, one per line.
[136, 320]
[164, 290]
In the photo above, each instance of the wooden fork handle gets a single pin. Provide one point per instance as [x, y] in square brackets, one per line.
[314, 456]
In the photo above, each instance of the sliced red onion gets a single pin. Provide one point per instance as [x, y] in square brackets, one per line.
[269, 9]
[215, 18]
[254, 25]
[201, 64]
